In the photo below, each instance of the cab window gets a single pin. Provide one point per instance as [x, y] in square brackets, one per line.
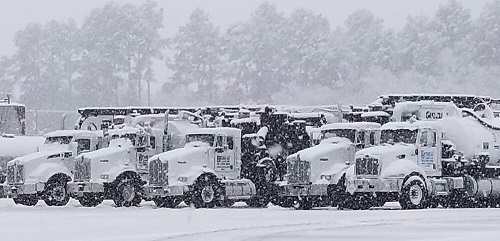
[152, 142]
[424, 138]
[83, 145]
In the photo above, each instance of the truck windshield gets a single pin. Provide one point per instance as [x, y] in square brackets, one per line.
[400, 135]
[346, 133]
[130, 136]
[58, 140]
[206, 138]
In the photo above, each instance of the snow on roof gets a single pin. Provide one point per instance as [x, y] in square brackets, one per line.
[409, 125]
[254, 119]
[74, 133]
[416, 94]
[218, 130]
[2, 103]
[123, 131]
[306, 115]
[350, 125]
[375, 114]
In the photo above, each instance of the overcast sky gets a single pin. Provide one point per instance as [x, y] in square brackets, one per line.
[14, 15]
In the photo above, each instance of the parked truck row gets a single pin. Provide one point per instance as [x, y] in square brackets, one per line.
[429, 154]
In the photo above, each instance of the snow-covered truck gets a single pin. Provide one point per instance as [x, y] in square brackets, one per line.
[448, 157]
[205, 172]
[313, 173]
[45, 173]
[119, 171]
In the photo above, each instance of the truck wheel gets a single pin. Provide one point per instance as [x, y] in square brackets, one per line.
[257, 202]
[26, 199]
[206, 192]
[413, 195]
[227, 203]
[167, 202]
[127, 192]
[91, 199]
[55, 193]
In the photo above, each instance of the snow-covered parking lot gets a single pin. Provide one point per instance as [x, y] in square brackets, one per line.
[105, 222]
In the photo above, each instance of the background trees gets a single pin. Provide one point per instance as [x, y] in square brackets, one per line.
[272, 57]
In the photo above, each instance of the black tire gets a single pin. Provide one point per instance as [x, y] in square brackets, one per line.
[127, 192]
[206, 192]
[56, 193]
[227, 203]
[91, 199]
[413, 195]
[167, 202]
[26, 199]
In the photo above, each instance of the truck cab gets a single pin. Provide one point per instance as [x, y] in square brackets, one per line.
[205, 172]
[45, 173]
[117, 171]
[312, 173]
[409, 151]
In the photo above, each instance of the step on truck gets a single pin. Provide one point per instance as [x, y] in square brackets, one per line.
[44, 174]
[312, 174]
[119, 171]
[441, 156]
[205, 172]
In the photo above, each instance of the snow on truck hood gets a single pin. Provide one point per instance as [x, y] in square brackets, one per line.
[327, 146]
[387, 151]
[37, 156]
[181, 153]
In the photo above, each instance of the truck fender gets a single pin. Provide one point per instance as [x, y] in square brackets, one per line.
[47, 170]
[115, 173]
[195, 172]
[415, 176]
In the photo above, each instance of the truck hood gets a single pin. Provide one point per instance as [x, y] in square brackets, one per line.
[37, 156]
[186, 153]
[388, 151]
[105, 152]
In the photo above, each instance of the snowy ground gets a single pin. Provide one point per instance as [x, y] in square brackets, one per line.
[107, 223]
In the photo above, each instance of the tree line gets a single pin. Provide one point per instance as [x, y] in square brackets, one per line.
[272, 57]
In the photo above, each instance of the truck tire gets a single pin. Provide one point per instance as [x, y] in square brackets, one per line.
[91, 199]
[127, 192]
[167, 202]
[26, 199]
[55, 193]
[413, 195]
[206, 192]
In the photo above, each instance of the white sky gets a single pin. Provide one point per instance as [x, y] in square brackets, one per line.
[14, 15]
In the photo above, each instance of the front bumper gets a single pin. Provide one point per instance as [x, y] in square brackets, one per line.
[165, 191]
[79, 188]
[374, 185]
[295, 190]
[12, 190]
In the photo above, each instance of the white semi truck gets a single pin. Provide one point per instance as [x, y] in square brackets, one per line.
[205, 172]
[440, 156]
[45, 173]
[119, 171]
[312, 173]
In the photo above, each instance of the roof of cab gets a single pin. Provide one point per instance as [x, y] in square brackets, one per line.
[74, 133]
[350, 125]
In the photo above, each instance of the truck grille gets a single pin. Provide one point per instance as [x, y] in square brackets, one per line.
[82, 169]
[15, 174]
[158, 172]
[298, 171]
[367, 166]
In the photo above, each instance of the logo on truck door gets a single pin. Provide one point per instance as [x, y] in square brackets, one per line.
[431, 115]
[426, 158]
[223, 163]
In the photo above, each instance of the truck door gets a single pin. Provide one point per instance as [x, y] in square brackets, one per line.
[224, 156]
[428, 151]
